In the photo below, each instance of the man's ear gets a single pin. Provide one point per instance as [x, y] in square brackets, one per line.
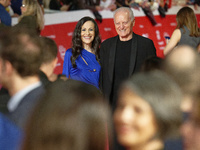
[133, 22]
[8, 67]
[55, 62]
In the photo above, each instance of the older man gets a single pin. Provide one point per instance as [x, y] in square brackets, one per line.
[122, 55]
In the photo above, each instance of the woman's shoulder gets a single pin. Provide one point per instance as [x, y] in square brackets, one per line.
[29, 20]
[29, 17]
[68, 52]
[184, 29]
[177, 32]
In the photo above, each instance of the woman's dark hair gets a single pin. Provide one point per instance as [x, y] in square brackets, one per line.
[72, 115]
[77, 42]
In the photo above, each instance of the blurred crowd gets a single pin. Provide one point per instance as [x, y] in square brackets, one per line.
[147, 6]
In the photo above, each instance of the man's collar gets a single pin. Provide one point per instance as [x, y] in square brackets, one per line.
[16, 99]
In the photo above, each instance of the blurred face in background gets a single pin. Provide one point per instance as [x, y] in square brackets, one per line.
[190, 130]
[134, 120]
[23, 7]
[5, 3]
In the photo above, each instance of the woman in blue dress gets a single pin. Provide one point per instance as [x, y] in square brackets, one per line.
[81, 62]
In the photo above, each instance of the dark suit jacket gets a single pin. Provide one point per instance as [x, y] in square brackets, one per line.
[4, 95]
[23, 111]
[4, 98]
[141, 49]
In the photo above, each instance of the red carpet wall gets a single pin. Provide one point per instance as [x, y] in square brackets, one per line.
[59, 26]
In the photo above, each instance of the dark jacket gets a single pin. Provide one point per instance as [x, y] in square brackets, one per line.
[141, 49]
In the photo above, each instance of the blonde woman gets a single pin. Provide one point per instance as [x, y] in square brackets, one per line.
[32, 16]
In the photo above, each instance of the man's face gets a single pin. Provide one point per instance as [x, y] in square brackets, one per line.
[123, 25]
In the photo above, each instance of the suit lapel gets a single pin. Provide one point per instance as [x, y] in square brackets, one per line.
[111, 63]
[133, 54]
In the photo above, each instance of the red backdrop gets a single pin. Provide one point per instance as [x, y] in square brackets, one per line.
[62, 33]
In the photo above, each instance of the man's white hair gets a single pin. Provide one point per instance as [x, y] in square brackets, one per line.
[124, 9]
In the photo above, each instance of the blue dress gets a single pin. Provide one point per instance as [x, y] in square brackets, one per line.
[87, 70]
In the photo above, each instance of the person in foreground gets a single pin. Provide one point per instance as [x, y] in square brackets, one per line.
[190, 129]
[183, 65]
[81, 62]
[187, 31]
[122, 55]
[20, 59]
[72, 115]
[148, 111]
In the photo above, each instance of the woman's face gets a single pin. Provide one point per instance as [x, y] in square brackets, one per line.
[134, 120]
[87, 33]
[23, 8]
[190, 130]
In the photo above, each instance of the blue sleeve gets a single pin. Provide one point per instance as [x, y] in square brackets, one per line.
[67, 65]
[5, 18]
